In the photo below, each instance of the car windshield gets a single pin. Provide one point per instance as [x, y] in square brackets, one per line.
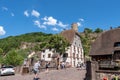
[7, 67]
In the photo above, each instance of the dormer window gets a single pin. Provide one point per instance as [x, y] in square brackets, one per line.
[117, 44]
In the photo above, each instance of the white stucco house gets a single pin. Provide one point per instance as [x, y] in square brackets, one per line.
[74, 54]
[46, 55]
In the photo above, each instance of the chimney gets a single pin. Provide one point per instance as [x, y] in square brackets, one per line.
[74, 26]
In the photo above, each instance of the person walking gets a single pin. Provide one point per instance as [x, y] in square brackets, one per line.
[36, 69]
[46, 66]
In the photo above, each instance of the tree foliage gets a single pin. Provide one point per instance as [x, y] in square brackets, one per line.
[13, 58]
[86, 44]
[58, 43]
[88, 38]
[98, 30]
[14, 55]
[10, 42]
[88, 30]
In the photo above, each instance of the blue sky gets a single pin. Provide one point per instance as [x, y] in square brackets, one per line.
[52, 16]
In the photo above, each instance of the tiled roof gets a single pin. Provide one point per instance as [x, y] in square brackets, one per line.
[69, 35]
[104, 44]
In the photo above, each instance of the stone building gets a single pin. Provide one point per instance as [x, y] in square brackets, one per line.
[105, 56]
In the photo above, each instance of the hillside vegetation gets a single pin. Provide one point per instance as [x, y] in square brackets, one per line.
[11, 47]
[11, 51]
[88, 37]
[10, 42]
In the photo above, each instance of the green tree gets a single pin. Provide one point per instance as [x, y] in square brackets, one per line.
[98, 30]
[13, 58]
[86, 42]
[58, 43]
[1, 51]
[88, 30]
[23, 52]
[1, 55]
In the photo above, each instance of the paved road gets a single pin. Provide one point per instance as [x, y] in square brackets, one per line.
[67, 74]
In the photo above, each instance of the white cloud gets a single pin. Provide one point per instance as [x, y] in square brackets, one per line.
[81, 19]
[35, 13]
[49, 21]
[37, 23]
[43, 26]
[45, 18]
[12, 14]
[4, 8]
[62, 25]
[2, 31]
[79, 24]
[26, 13]
[55, 29]
[52, 21]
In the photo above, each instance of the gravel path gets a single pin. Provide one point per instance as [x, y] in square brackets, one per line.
[66, 74]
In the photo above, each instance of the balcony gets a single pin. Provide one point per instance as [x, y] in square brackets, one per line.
[109, 64]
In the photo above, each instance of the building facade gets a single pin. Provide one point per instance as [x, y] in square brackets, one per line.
[74, 54]
[47, 54]
[105, 56]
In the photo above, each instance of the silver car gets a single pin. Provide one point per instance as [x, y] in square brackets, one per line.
[7, 70]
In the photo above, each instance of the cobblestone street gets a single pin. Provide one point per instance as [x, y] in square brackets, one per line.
[66, 74]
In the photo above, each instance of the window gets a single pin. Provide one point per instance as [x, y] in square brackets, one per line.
[74, 49]
[49, 55]
[117, 44]
[43, 56]
[77, 56]
[116, 55]
[78, 49]
[79, 45]
[73, 55]
[65, 55]
[43, 50]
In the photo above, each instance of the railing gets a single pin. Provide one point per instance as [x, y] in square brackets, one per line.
[109, 64]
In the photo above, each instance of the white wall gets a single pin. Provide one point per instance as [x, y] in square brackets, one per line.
[44, 55]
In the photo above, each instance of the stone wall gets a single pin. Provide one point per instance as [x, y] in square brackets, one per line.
[91, 68]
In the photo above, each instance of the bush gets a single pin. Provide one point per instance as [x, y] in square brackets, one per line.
[13, 58]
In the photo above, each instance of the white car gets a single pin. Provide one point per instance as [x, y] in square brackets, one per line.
[7, 70]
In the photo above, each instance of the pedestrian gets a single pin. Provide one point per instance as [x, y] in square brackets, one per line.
[25, 62]
[63, 65]
[46, 66]
[36, 69]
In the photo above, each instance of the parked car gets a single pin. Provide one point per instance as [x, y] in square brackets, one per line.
[7, 70]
